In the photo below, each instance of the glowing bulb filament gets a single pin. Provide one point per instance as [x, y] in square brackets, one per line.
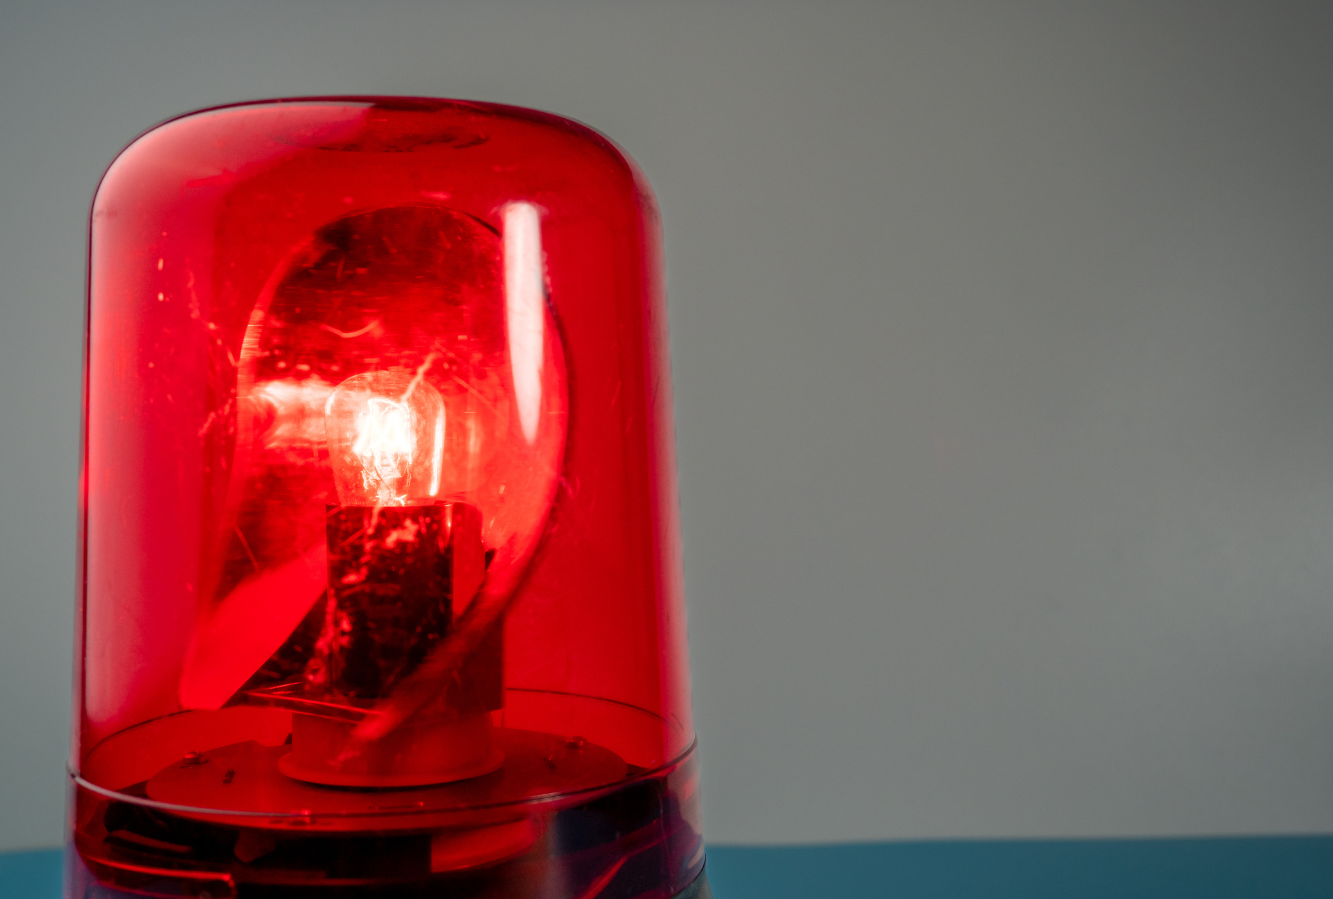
[386, 439]
[384, 445]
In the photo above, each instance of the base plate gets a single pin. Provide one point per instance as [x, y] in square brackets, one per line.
[244, 779]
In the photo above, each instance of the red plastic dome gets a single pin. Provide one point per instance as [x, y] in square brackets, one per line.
[381, 589]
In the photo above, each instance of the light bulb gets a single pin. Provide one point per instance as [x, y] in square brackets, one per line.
[385, 432]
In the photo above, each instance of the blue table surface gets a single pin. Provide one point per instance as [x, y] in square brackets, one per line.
[1223, 868]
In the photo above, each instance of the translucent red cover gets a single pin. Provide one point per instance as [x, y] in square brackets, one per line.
[265, 678]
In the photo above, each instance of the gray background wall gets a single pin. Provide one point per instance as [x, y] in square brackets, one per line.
[1003, 340]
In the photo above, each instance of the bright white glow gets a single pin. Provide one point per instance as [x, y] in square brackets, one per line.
[296, 409]
[437, 458]
[384, 445]
[386, 439]
[524, 300]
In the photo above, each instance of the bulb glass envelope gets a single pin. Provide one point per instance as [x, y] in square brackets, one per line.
[379, 501]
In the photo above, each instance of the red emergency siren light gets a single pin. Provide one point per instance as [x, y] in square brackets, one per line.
[381, 588]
